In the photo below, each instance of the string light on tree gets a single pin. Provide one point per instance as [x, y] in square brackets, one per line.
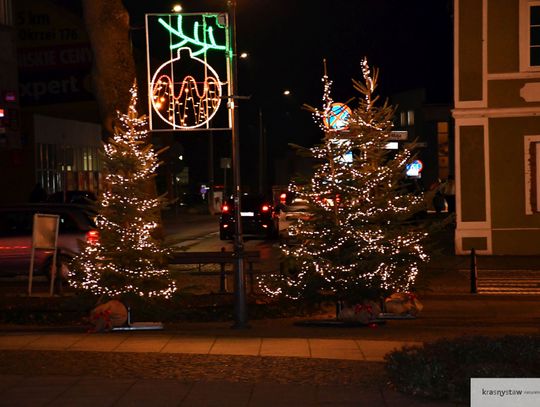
[359, 242]
[126, 258]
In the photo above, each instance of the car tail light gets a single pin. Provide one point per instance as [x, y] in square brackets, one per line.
[225, 208]
[265, 208]
[92, 236]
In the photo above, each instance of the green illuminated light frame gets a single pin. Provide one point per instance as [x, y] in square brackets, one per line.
[185, 91]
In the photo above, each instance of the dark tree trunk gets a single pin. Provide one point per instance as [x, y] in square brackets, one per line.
[107, 23]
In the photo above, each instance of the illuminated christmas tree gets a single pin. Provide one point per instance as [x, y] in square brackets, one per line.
[362, 241]
[126, 258]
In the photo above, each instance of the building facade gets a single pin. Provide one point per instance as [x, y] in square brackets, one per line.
[49, 131]
[430, 126]
[497, 126]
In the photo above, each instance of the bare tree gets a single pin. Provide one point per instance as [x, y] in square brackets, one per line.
[107, 23]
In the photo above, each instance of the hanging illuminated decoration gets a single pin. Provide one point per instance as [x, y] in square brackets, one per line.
[338, 116]
[414, 169]
[184, 104]
[334, 117]
[185, 89]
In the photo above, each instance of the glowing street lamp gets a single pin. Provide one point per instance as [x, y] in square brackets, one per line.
[177, 8]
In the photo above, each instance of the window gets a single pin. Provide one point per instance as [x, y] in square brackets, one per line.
[443, 149]
[529, 34]
[534, 36]
[403, 119]
[532, 174]
[6, 12]
[62, 167]
[67, 224]
[406, 118]
[16, 223]
[410, 117]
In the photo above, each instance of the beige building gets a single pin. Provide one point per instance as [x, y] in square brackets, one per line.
[497, 125]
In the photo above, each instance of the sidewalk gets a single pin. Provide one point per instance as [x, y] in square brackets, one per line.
[47, 390]
[65, 391]
[164, 342]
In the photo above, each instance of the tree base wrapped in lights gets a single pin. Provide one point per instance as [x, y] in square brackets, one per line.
[126, 259]
[363, 240]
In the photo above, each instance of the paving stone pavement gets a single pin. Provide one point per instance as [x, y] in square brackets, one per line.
[69, 391]
[349, 349]
[301, 371]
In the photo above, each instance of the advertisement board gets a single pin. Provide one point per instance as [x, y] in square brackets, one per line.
[44, 237]
[53, 52]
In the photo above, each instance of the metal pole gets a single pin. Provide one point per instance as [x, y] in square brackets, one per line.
[225, 196]
[262, 162]
[240, 311]
[222, 276]
[210, 195]
[474, 273]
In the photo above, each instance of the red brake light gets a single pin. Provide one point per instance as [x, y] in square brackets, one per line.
[225, 208]
[265, 208]
[92, 236]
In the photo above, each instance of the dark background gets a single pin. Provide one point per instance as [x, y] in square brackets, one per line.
[287, 41]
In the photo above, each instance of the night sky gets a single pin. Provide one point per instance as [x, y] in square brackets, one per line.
[287, 40]
[410, 41]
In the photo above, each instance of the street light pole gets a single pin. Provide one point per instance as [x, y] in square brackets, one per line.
[262, 155]
[240, 311]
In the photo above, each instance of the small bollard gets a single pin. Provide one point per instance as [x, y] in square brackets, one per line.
[222, 276]
[339, 308]
[474, 273]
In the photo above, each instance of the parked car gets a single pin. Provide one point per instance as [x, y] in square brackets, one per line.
[73, 197]
[257, 214]
[298, 209]
[76, 223]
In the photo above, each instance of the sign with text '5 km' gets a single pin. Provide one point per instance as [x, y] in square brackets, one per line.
[188, 71]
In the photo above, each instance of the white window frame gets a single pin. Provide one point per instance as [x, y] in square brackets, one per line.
[525, 35]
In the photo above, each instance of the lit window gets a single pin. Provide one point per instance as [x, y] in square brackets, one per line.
[410, 117]
[403, 119]
[406, 118]
[532, 174]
